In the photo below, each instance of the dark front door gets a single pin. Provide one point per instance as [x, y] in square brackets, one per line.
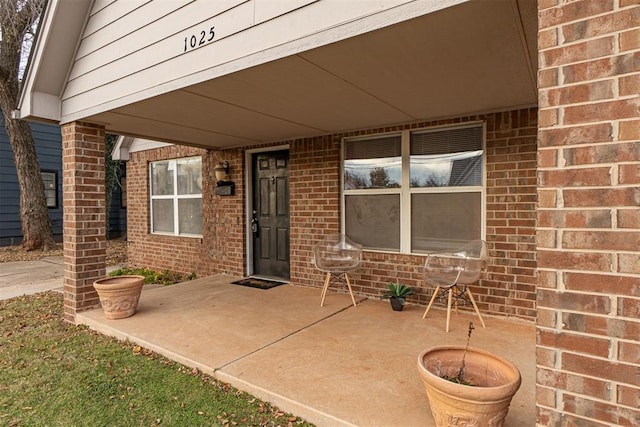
[270, 216]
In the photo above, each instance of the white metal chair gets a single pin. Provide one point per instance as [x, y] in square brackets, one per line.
[336, 255]
[452, 271]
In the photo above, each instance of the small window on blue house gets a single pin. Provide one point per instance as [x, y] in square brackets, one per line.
[50, 179]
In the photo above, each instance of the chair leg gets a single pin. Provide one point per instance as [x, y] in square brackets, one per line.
[433, 298]
[455, 303]
[449, 307]
[475, 307]
[327, 279]
[346, 278]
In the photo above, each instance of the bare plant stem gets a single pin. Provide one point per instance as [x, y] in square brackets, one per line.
[460, 376]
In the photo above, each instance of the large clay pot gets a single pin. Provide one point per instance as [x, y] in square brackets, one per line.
[119, 295]
[495, 380]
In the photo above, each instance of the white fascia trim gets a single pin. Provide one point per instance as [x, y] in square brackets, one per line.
[125, 145]
[45, 106]
[28, 97]
[34, 104]
[38, 106]
[120, 150]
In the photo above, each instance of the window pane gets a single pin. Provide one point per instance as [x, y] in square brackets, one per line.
[444, 221]
[51, 198]
[162, 215]
[190, 176]
[123, 191]
[446, 158]
[49, 179]
[374, 221]
[162, 178]
[50, 190]
[447, 170]
[373, 163]
[444, 141]
[190, 216]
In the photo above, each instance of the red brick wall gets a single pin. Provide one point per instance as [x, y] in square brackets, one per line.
[314, 201]
[221, 248]
[508, 287]
[588, 218]
[84, 215]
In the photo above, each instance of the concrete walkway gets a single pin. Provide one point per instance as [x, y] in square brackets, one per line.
[30, 277]
[337, 365]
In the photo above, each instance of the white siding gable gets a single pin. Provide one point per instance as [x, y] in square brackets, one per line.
[135, 49]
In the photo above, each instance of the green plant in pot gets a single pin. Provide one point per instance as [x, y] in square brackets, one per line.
[468, 386]
[397, 294]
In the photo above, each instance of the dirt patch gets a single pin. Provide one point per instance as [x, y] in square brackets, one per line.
[116, 253]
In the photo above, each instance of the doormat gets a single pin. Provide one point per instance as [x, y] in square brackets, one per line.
[253, 282]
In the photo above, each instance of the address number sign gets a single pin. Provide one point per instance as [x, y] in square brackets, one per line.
[193, 41]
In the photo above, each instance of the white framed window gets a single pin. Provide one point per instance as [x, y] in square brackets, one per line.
[176, 196]
[415, 191]
[50, 180]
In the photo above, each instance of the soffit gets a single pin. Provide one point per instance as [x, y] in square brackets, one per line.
[475, 57]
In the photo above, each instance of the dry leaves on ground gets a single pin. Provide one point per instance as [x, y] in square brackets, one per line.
[116, 252]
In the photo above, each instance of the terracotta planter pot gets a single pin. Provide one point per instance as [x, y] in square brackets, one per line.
[486, 403]
[119, 295]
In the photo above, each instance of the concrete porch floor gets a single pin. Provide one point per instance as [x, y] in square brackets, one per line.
[333, 366]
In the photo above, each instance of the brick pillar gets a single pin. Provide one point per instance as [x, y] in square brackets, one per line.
[588, 235]
[84, 215]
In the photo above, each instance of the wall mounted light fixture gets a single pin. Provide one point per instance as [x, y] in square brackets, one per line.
[222, 171]
[224, 187]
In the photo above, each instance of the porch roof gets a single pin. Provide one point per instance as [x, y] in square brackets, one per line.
[472, 57]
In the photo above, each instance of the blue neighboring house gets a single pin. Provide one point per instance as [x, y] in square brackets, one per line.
[48, 141]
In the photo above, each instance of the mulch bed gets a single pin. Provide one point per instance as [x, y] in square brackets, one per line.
[116, 253]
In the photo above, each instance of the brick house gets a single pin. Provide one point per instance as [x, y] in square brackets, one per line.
[407, 124]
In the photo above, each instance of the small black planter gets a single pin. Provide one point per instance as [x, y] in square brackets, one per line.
[397, 304]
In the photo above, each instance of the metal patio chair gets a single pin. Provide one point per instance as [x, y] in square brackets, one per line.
[452, 271]
[336, 256]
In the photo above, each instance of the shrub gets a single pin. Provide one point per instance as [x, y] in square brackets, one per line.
[164, 277]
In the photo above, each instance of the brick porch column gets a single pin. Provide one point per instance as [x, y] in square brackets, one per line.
[588, 236]
[84, 215]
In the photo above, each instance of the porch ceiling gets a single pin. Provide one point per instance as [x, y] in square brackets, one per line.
[475, 57]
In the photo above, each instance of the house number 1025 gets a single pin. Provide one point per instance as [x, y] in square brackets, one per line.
[196, 40]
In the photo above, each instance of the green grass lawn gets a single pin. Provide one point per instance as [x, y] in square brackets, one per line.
[56, 374]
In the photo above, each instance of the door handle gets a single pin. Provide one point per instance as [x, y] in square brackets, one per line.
[254, 223]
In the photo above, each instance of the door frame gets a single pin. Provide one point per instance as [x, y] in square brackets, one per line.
[248, 202]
